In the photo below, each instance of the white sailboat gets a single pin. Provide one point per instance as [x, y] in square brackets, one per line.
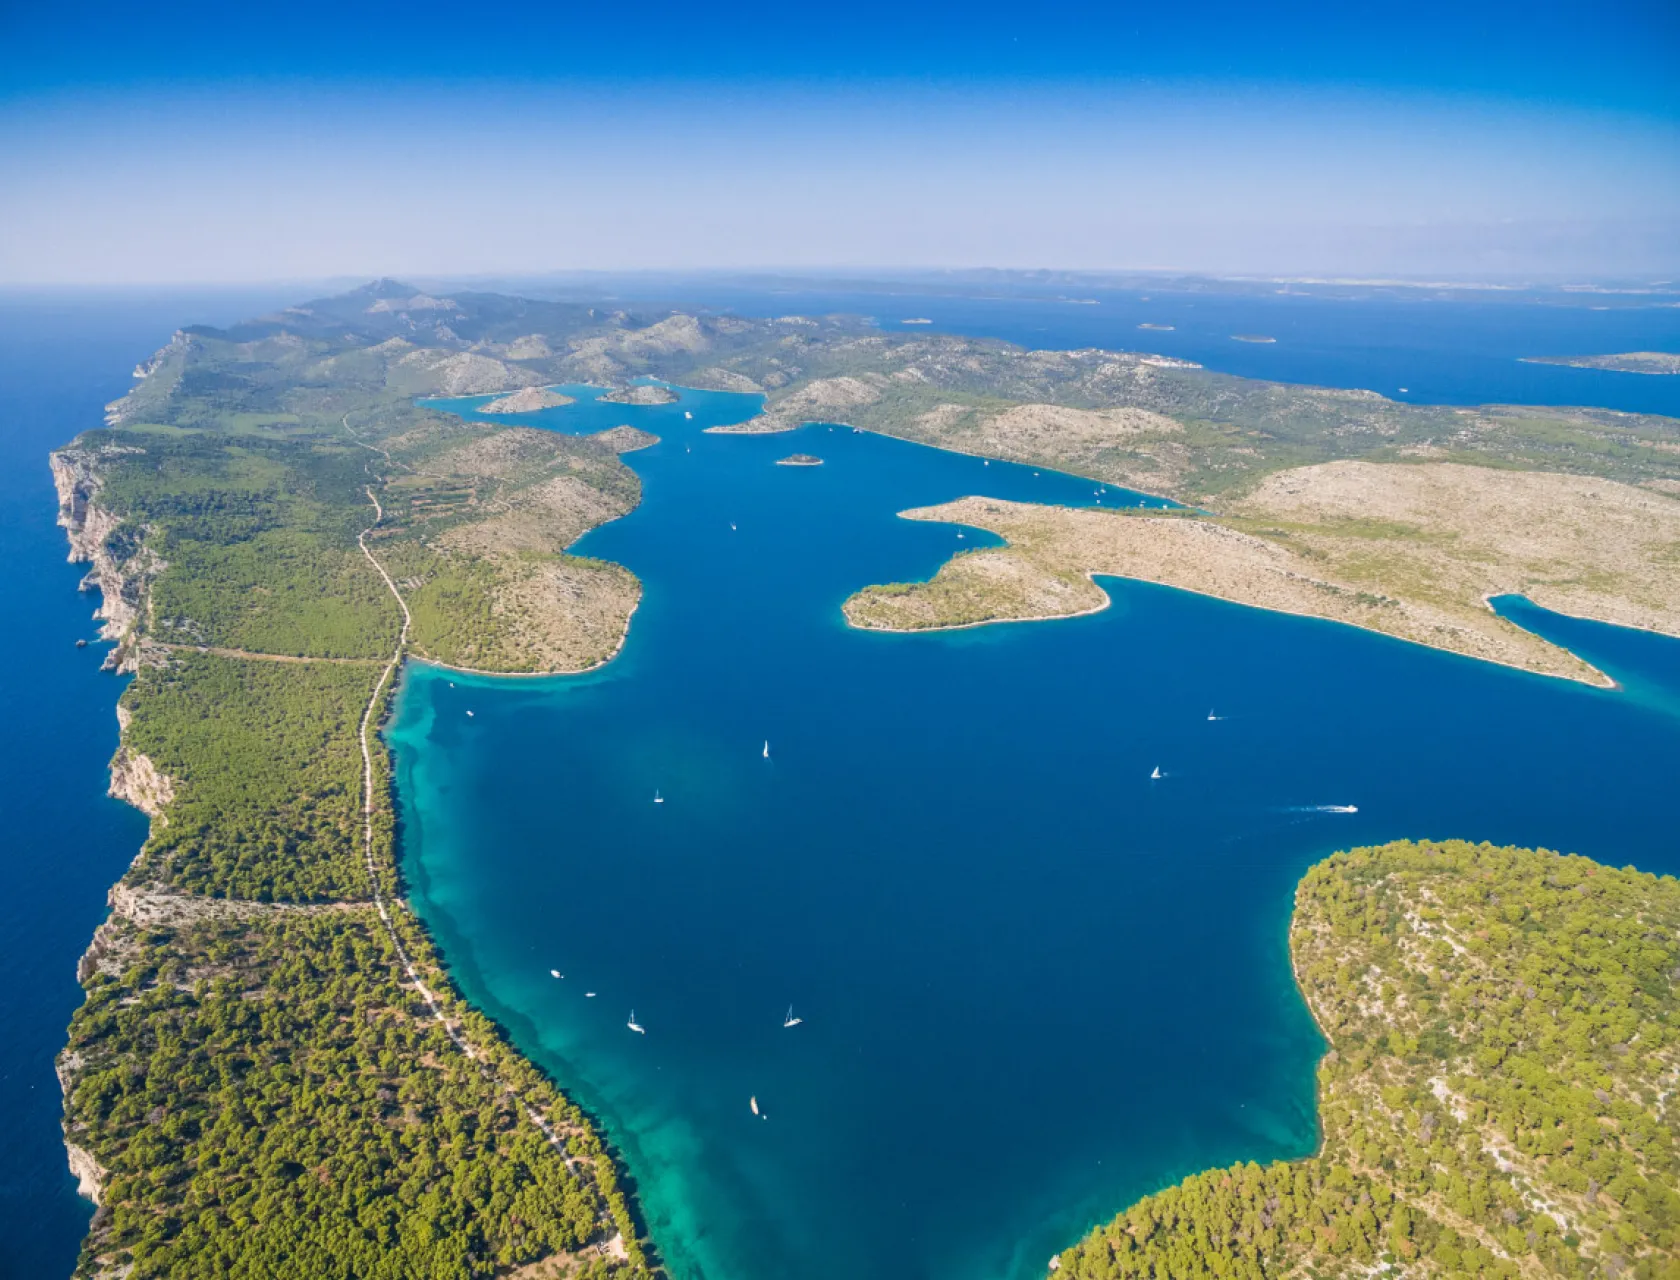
[1211, 716]
[1156, 776]
[657, 798]
[687, 414]
[753, 1102]
[634, 1025]
[767, 748]
[790, 1020]
[731, 524]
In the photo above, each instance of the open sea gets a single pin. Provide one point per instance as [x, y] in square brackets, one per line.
[1033, 983]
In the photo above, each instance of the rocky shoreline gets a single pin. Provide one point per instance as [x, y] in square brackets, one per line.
[120, 582]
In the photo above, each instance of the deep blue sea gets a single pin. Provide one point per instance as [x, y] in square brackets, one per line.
[1034, 984]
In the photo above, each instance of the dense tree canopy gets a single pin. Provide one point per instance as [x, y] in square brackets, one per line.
[1497, 1097]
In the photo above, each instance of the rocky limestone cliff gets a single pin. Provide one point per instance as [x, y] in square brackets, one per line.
[90, 1178]
[136, 779]
[121, 583]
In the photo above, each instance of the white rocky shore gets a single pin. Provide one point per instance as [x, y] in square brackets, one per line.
[121, 582]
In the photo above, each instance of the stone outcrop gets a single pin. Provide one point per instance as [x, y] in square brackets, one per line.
[121, 580]
[528, 400]
[90, 1178]
[644, 393]
[136, 779]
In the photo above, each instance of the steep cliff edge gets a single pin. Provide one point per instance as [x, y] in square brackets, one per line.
[121, 580]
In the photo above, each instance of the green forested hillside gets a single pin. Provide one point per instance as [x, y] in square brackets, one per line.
[1498, 1096]
[271, 1075]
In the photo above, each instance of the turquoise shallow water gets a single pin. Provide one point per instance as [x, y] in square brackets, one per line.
[1035, 984]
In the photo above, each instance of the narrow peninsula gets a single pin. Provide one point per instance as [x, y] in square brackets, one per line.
[271, 1070]
[1412, 550]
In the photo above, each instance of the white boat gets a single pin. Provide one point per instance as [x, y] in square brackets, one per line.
[753, 1102]
[634, 1025]
[1211, 716]
[588, 995]
[767, 748]
[1156, 776]
[1340, 808]
[555, 973]
[687, 414]
[790, 1020]
[657, 798]
[985, 462]
[731, 524]
[469, 713]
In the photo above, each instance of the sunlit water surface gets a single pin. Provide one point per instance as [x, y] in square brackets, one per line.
[1035, 982]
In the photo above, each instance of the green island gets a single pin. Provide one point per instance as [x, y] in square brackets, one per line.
[1497, 1098]
[1624, 362]
[272, 1072]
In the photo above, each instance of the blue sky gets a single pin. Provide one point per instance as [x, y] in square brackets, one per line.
[217, 142]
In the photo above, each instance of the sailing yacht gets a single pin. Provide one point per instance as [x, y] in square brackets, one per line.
[767, 748]
[687, 414]
[1156, 776]
[790, 1020]
[634, 1025]
[657, 798]
[754, 1102]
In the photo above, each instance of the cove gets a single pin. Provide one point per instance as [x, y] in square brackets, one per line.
[1035, 983]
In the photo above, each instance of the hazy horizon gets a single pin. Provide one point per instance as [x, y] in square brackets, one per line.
[1493, 144]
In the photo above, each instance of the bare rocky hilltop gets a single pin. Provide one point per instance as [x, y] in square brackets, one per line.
[644, 393]
[528, 400]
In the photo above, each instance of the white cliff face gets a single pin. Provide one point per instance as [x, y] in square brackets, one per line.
[90, 1178]
[121, 584]
[136, 779]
